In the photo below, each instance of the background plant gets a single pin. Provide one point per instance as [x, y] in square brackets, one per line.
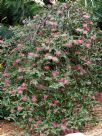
[14, 11]
[95, 8]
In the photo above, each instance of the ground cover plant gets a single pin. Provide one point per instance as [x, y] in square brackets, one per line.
[49, 72]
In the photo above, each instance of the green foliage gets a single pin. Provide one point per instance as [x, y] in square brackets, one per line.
[95, 6]
[49, 71]
[5, 33]
[13, 11]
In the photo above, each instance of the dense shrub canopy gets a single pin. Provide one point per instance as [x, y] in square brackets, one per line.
[48, 71]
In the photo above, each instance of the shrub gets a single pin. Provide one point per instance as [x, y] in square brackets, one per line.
[48, 71]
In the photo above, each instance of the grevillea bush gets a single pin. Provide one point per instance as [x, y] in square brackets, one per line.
[48, 74]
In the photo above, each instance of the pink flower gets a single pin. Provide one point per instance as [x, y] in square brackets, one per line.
[69, 44]
[88, 45]
[30, 120]
[89, 40]
[64, 36]
[55, 111]
[24, 99]
[75, 42]
[78, 67]
[88, 62]
[58, 53]
[6, 82]
[50, 104]
[86, 16]
[20, 90]
[13, 92]
[80, 41]
[19, 108]
[20, 78]
[56, 35]
[79, 30]
[16, 62]
[76, 131]
[55, 125]
[33, 98]
[55, 59]
[56, 102]
[36, 55]
[27, 108]
[94, 37]
[85, 26]
[39, 122]
[63, 127]
[70, 131]
[78, 52]
[5, 75]
[45, 97]
[46, 67]
[99, 97]
[38, 48]
[32, 110]
[63, 120]
[1, 41]
[20, 69]
[19, 46]
[30, 54]
[63, 80]
[54, 74]
[63, 110]
[24, 86]
[21, 55]
[36, 126]
[84, 32]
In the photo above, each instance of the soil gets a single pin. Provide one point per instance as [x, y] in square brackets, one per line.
[9, 129]
[97, 130]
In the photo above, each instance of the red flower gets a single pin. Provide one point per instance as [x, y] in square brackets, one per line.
[86, 16]
[58, 53]
[30, 120]
[24, 99]
[45, 97]
[54, 74]
[78, 67]
[55, 125]
[56, 102]
[33, 98]
[46, 67]
[13, 92]
[99, 97]
[5, 75]
[19, 108]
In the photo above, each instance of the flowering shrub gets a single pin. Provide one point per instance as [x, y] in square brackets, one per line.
[48, 71]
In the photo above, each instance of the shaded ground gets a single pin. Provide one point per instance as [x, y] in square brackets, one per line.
[8, 128]
[97, 130]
